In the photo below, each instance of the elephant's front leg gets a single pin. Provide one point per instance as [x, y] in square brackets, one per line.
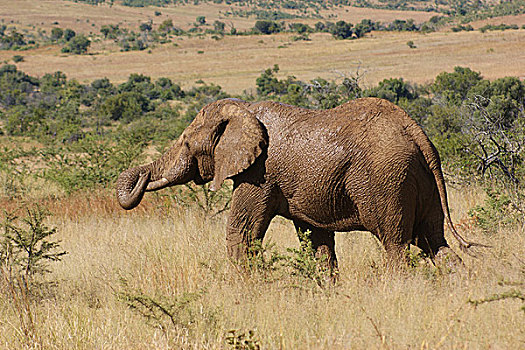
[251, 211]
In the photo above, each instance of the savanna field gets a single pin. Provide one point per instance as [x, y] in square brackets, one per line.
[90, 88]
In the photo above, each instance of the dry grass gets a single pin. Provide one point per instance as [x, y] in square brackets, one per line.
[86, 18]
[518, 20]
[168, 253]
[235, 62]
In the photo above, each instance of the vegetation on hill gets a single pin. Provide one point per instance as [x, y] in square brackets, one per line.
[468, 10]
[12, 39]
[477, 124]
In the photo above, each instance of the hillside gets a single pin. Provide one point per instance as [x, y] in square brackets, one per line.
[234, 61]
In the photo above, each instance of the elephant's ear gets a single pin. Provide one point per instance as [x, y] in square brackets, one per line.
[242, 140]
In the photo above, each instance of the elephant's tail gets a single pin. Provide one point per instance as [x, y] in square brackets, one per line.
[434, 163]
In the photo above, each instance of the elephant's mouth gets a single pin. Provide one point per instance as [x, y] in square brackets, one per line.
[157, 185]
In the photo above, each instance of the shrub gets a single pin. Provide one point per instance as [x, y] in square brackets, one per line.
[342, 30]
[304, 264]
[25, 248]
[126, 106]
[497, 210]
[90, 162]
[394, 90]
[77, 45]
[454, 87]
[69, 34]
[268, 84]
[56, 33]
[201, 20]
[26, 251]
[266, 27]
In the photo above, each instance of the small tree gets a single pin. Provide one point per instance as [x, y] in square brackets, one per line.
[219, 26]
[56, 33]
[454, 87]
[268, 84]
[26, 250]
[69, 34]
[342, 30]
[266, 27]
[393, 89]
[300, 28]
[78, 45]
[110, 31]
[145, 27]
[166, 26]
[201, 20]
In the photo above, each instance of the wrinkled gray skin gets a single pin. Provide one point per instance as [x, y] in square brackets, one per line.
[365, 165]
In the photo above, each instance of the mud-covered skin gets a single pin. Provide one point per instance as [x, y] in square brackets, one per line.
[365, 165]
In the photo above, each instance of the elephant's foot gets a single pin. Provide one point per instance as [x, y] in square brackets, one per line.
[447, 260]
[327, 263]
[237, 251]
[396, 258]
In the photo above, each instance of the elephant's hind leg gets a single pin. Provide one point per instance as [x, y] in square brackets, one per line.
[430, 238]
[323, 244]
[395, 233]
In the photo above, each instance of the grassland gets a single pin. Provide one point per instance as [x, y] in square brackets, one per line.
[87, 18]
[166, 251]
[235, 62]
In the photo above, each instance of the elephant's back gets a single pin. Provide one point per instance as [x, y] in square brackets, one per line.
[359, 131]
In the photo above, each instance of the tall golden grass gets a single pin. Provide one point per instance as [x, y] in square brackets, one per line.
[164, 251]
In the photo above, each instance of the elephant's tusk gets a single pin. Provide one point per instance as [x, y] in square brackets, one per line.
[157, 185]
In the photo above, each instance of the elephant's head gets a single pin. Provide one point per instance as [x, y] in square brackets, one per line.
[224, 139]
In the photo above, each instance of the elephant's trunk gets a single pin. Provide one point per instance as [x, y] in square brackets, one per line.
[131, 185]
[174, 167]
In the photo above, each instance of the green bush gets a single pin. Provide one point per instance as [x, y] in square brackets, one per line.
[25, 246]
[394, 90]
[91, 162]
[454, 87]
[266, 27]
[342, 30]
[126, 106]
[498, 210]
[77, 45]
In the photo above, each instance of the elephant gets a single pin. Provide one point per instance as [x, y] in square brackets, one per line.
[362, 166]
